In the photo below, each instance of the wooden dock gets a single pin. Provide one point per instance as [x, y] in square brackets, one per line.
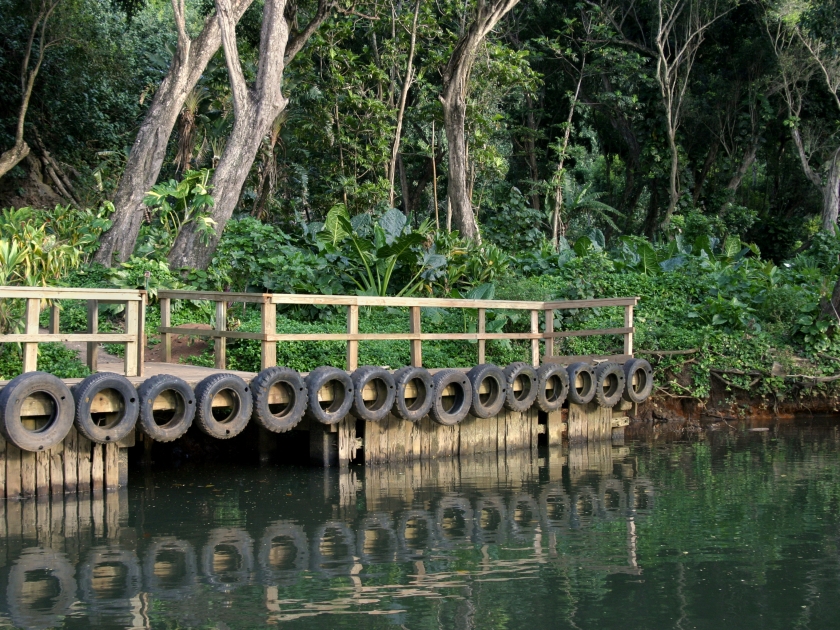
[79, 465]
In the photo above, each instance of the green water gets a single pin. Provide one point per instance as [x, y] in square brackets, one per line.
[735, 531]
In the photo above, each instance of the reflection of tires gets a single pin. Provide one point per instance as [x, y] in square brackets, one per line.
[333, 549]
[554, 507]
[450, 410]
[233, 565]
[41, 588]
[382, 383]
[609, 384]
[638, 376]
[109, 578]
[223, 422]
[490, 402]
[552, 386]
[377, 540]
[413, 407]
[281, 539]
[520, 399]
[581, 383]
[278, 417]
[12, 399]
[165, 554]
[524, 518]
[454, 518]
[106, 427]
[490, 520]
[341, 386]
[416, 535]
[181, 418]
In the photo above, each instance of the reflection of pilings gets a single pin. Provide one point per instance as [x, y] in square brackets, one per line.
[41, 588]
[283, 553]
[227, 560]
[170, 568]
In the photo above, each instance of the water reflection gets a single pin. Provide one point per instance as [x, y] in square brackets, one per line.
[557, 538]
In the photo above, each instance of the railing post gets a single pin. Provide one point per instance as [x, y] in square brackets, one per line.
[268, 351]
[141, 334]
[166, 322]
[416, 344]
[220, 345]
[30, 350]
[55, 313]
[549, 328]
[482, 343]
[535, 343]
[132, 327]
[352, 329]
[92, 329]
[628, 323]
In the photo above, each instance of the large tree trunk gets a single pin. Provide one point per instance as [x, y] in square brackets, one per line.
[456, 77]
[149, 149]
[831, 194]
[255, 110]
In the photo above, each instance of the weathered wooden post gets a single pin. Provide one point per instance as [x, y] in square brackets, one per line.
[482, 343]
[92, 329]
[166, 322]
[416, 344]
[549, 330]
[132, 327]
[628, 336]
[220, 344]
[30, 349]
[535, 343]
[352, 344]
[268, 350]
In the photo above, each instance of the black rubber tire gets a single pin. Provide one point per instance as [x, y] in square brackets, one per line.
[278, 420]
[552, 386]
[586, 393]
[490, 404]
[11, 401]
[336, 411]
[114, 431]
[640, 370]
[386, 391]
[181, 420]
[413, 409]
[523, 399]
[236, 422]
[460, 407]
[609, 384]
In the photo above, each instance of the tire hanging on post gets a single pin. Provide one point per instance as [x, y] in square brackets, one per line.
[609, 384]
[236, 419]
[450, 413]
[341, 386]
[581, 383]
[279, 417]
[106, 427]
[552, 386]
[522, 398]
[489, 403]
[417, 381]
[182, 417]
[384, 389]
[638, 376]
[12, 400]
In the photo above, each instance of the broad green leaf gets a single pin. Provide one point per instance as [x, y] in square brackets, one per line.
[335, 227]
[392, 223]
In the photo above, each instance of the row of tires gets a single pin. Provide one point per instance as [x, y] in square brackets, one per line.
[279, 398]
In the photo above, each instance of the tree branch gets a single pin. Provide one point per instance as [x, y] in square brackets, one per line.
[227, 25]
[298, 41]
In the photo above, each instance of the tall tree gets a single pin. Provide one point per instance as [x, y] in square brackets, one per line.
[149, 149]
[255, 109]
[36, 49]
[456, 78]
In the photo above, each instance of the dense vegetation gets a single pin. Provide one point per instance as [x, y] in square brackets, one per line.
[602, 152]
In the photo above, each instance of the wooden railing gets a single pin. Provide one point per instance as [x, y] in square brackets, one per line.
[269, 336]
[135, 317]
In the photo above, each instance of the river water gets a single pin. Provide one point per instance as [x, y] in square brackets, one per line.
[736, 530]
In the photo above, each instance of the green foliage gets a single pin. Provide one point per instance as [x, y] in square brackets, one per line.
[54, 358]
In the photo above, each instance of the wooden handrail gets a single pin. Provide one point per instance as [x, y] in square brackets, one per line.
[133, 337]
[269, 336]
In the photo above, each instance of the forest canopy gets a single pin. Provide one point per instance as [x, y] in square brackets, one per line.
[445, 147]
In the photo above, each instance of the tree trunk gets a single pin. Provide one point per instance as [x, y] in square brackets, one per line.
[531, 152]
[749, 157]
[704, 172]
[12, 157]
[149, 149]
[255, 110]
[673, 179]
[456, 78]
[831, 194]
